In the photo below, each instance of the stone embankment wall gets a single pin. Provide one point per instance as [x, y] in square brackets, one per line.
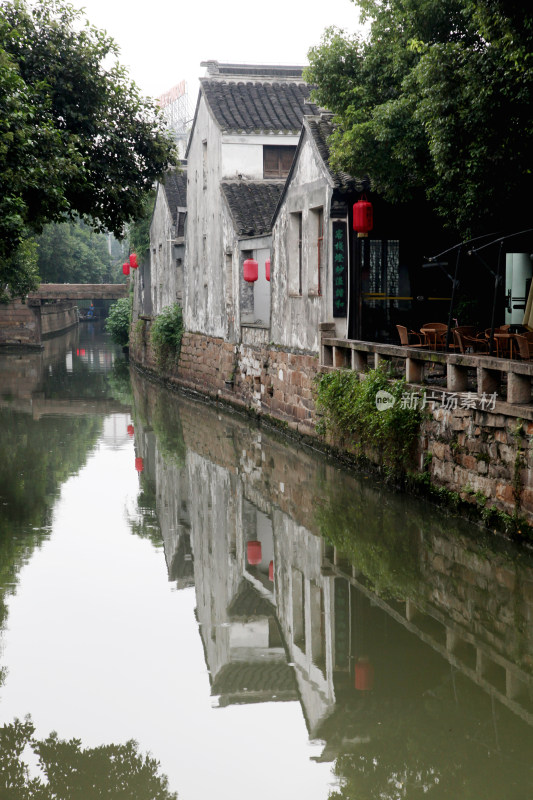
[255, 376]
[485, 457]
[23, 324]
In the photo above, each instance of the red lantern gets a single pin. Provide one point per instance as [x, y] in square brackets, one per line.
[130, 430]
[125, 269]
[271, 571]
[250, 270]
[363, 217]
[364, 675]
[139, 464]
[254, 553]
[267, 269]
[133, 261]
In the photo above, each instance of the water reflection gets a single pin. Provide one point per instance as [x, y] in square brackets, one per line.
[70, 771]
[406, 636]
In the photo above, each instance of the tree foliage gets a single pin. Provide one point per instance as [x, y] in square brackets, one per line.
[119, 320]
[70, 771]
[436, 99]
[76, 137]
[72, 252]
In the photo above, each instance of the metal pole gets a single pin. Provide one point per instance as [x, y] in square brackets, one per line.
[455, 284]
[497, 280]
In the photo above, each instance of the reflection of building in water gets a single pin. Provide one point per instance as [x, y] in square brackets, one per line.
[424, 630]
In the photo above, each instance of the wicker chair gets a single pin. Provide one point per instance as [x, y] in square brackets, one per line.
[405, 335]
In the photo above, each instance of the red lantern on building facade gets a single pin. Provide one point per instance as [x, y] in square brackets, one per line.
[133, 261]
[364, 675]
[253, 551]
[267, 269]
[139, 464]
[130, 430]
[271, 571]
[363, 217]
[250, 270]
[126, 269]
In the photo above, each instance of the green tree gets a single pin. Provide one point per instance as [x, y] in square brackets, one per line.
[76, 137]
[113, 770]
[72, 252]
[436, 102]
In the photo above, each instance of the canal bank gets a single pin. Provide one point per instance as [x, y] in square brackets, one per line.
[223, 595]
[473, 447]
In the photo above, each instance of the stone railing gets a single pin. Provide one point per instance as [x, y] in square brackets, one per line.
[482, 375]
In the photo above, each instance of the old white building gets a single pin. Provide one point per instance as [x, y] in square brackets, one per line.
[244, 135]
[160, 282]
[311, 236]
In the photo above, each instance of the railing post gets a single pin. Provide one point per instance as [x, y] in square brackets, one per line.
[518, 388]
[456, 378]
[414, 370]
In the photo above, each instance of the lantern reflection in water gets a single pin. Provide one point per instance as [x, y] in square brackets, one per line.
[139, 464]
[254, 553]
[364, 675]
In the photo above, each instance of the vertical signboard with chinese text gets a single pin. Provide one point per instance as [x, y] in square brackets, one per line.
[340, 270]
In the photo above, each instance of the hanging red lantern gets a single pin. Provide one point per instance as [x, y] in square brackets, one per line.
[364, 675]
[250, 270]
[254, 553]
[130, 430]
[363, 217]
[267, 269]
[139, 464]
[271, 571]
[133, 261]
[126, 269]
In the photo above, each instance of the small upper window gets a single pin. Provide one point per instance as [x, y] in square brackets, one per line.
[277, 160]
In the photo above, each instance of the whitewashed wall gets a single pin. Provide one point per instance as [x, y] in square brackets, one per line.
[295, 319]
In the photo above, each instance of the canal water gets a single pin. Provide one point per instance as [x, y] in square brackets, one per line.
[192, 604]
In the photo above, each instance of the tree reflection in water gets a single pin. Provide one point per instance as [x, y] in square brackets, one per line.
[70, 772]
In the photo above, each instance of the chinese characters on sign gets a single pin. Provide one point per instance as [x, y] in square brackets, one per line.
[340, 271]
[449, 400]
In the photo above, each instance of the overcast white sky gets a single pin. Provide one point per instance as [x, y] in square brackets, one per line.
[163, 43]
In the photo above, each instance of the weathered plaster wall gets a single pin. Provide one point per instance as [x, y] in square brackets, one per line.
[165, 270]
[242, 156]
[295, 318]
[205, 279]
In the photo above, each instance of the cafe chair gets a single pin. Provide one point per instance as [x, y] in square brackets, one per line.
[405, 336]
[525, 347]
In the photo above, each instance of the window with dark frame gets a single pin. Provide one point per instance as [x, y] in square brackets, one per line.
[277, 160]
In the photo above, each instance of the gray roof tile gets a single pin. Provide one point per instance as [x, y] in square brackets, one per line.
[255, 106]
[252, 205]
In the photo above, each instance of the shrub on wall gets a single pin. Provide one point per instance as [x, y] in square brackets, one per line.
[349, 409]
[166, 333]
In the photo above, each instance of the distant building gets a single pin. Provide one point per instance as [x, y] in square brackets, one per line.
[244, 135]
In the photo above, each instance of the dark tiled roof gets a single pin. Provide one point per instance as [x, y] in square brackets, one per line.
[320, 129]
[247, 602]
[252, 205]
[256, 106]
[175, 186]
[265, 677]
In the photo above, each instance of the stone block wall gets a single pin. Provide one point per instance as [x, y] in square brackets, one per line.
[256, 376]
[486, 457]
[20, 324]
[58, 317]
